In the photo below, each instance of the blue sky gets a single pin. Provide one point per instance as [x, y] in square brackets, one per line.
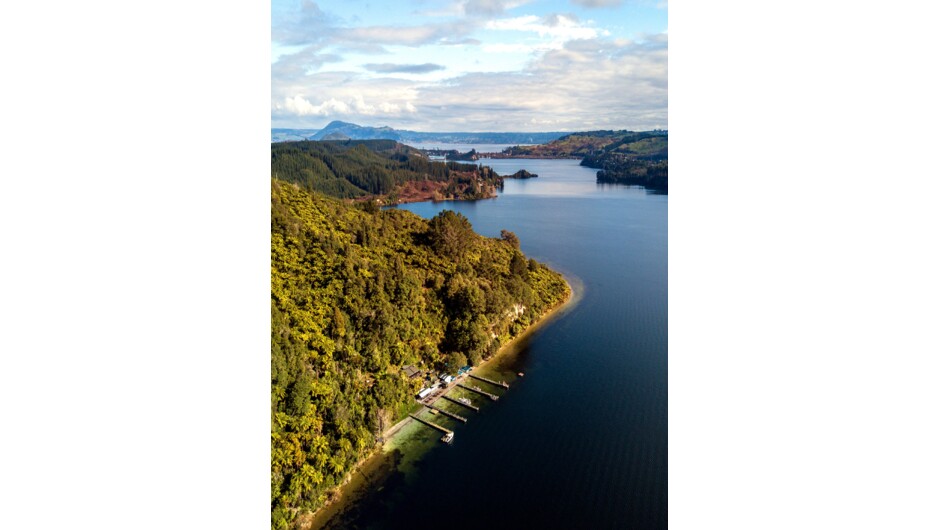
[470, 65]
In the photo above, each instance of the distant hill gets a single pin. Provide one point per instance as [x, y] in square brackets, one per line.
[360, 132]
[356, 132]
[583, 144]
[336, 136]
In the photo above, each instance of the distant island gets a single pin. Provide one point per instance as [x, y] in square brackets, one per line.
[340, 130]
[521, 174]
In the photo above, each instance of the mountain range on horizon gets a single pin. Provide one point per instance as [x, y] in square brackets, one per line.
[340, 130]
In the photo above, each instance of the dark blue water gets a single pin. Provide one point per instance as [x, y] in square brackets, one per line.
[581, 440]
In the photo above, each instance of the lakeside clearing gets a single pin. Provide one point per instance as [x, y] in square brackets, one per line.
[386, 456]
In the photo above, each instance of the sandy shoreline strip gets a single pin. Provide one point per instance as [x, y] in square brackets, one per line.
[549, 315]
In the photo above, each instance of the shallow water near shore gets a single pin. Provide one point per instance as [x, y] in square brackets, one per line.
[580, 440]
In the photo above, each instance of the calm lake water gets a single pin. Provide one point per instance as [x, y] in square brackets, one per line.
[581, 440]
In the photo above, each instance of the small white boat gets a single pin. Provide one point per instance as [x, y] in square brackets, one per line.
[447, 438]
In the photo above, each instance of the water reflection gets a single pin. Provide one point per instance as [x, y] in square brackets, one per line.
[608, 186]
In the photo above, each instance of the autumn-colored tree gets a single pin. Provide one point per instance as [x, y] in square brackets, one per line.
[510, 238]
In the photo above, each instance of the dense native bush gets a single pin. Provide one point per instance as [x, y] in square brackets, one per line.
[357, 294]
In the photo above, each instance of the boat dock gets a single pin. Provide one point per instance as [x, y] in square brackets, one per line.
[494, 397]
[448, 414]
[432, 425]
[462, 404]
[490, 381]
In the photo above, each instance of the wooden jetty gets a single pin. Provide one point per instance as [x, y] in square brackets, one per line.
[446, 413]
[494, 397]
[490, 381]
[461, 403]
[433, 425]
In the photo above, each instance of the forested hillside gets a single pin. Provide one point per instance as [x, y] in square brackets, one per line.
[583, 144]
[638, 158]
[358, 293]
[359, 168]
[623, 157]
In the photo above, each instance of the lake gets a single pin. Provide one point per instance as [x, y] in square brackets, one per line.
[581, 440]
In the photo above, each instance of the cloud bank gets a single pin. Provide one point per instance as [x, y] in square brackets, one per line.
[577, 75]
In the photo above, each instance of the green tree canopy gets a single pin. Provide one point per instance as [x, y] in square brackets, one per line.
[450, 234]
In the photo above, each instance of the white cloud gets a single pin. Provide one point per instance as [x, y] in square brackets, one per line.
[523, 23]
[357, 105]
[576, 77]
[361, 107]
[301, 63]
[396, 109]
[459, 42]
[342, 95]
[310, 25]
[438, 33]
[406, 36]
[307, 25]
[597, 3]
[588, 83]
[559, 29]
[300, 106]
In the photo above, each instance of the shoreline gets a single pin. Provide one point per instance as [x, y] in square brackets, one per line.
[322, 515]
[553, 312]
